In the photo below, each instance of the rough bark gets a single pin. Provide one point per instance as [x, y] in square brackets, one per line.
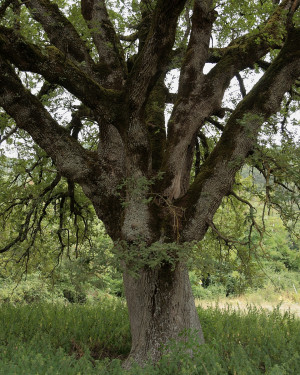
[110, 52]
[200, 96]
[161, 306]
[238, 139]
[56, 24]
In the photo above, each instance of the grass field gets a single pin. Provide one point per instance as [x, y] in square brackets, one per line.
[45, 339]
[244, 302]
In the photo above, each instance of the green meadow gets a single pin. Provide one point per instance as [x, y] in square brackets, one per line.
[49, 339]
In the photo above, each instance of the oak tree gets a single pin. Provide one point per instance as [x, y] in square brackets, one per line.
[155, 182]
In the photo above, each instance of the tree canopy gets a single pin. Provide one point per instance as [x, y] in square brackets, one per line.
[85, 88]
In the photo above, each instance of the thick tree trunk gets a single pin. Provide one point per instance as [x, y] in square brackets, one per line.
[161, 306]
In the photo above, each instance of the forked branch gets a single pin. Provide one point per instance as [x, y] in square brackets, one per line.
[238, 139]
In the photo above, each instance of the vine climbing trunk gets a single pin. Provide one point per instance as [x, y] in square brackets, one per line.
[161, 307]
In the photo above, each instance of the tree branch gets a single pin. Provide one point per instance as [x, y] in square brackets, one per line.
[198, 48]
[241, 199]
[241, 84]
[22, 234]
[57, 25]
[7, 135]
[238, 139]
[247, 50]
[129, 38]
[263, 64]
[30, 115]
[154, 55]
[75, 126]
[216, 123]
[171, 97]
[240, 54]
[98, 176]
[227, 240]
[204, 144]
[29, 57]
[106, 40]
[45, 90]
[191, 78]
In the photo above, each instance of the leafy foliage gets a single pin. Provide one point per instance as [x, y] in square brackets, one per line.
[53, 207]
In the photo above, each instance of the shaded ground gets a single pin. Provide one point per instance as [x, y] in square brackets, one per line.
[243, 303]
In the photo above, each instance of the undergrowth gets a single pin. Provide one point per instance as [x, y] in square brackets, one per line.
[50, 339]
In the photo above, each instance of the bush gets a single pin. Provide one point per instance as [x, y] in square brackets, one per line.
[31, 289]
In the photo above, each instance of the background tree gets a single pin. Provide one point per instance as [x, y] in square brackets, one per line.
[106, 62]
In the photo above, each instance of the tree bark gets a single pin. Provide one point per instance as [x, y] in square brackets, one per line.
[161, 307]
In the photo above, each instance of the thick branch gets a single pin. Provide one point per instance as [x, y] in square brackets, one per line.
[238, 139]
[155, 118]
[129, 38]
[151, 61]
[247, 50]
[263, 64]
[198, 48]
[191, 78]
[154, 56]
[60, 31]
[29, 114]
[99, 181]
[55, 68]
[205, 99]
[105, 39]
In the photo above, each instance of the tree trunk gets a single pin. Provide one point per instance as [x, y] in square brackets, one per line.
[161, 306]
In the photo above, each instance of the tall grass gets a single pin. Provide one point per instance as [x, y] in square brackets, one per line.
[50, 339]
